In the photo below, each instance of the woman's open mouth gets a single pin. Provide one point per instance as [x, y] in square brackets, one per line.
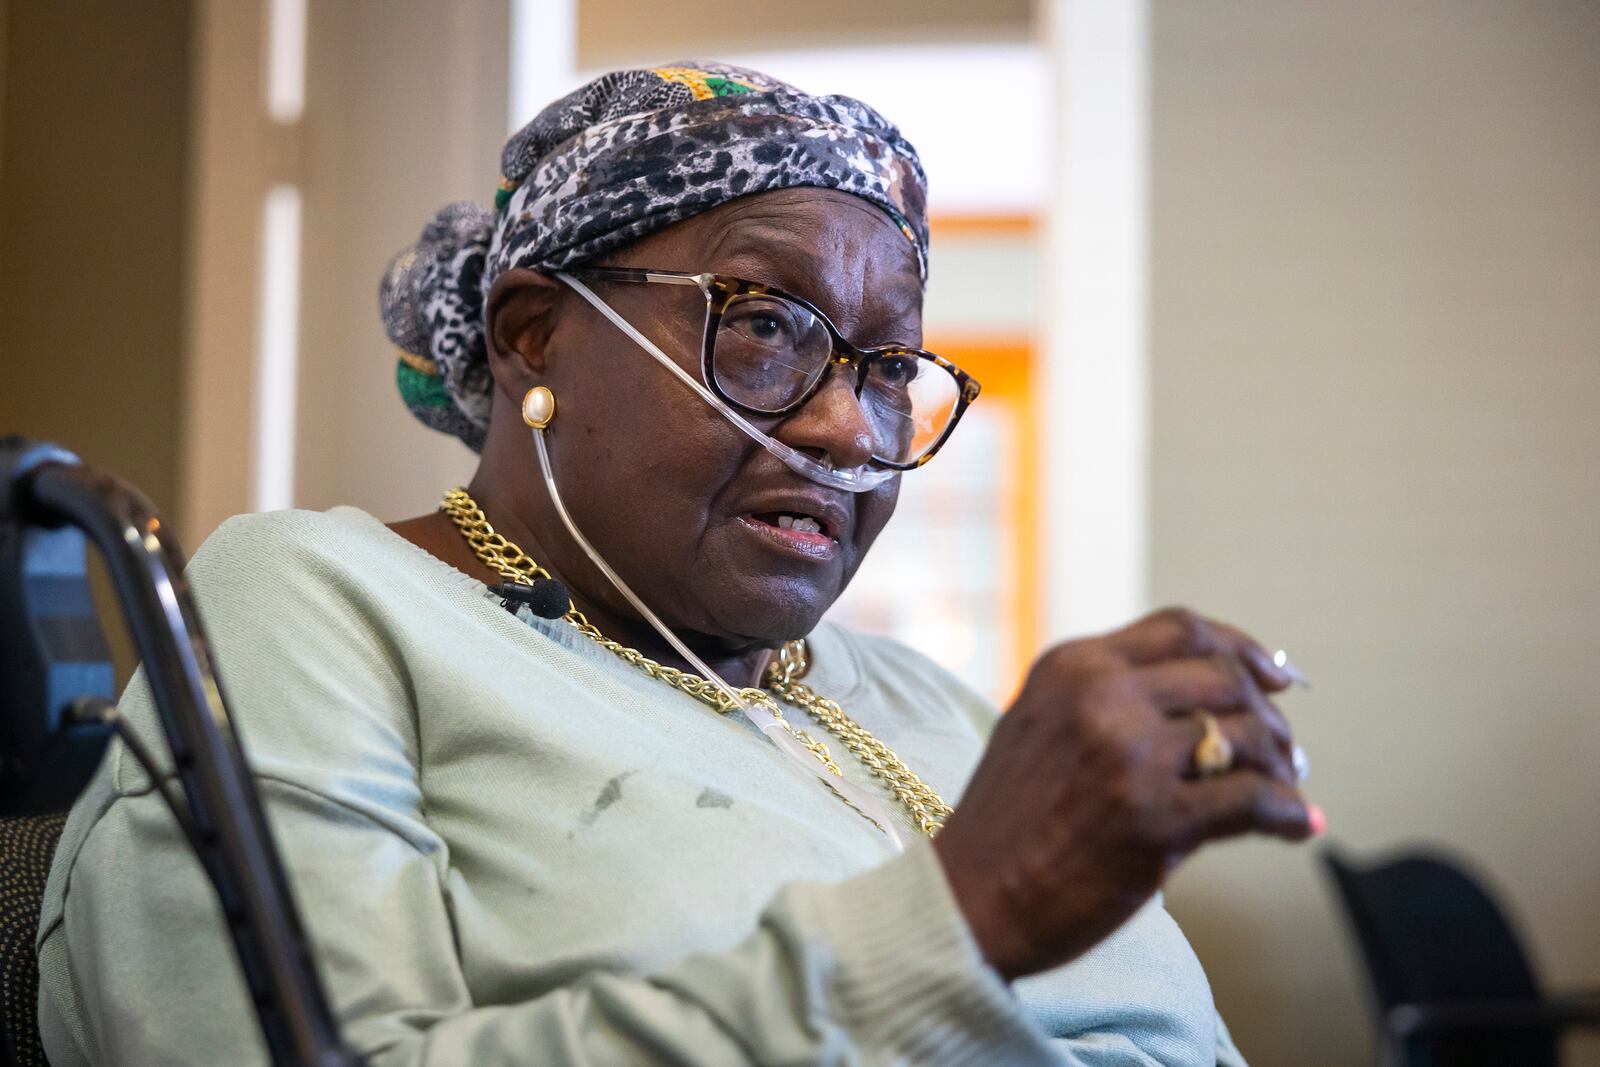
[808, 535]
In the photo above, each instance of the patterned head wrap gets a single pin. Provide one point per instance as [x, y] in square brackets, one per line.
[628, 154]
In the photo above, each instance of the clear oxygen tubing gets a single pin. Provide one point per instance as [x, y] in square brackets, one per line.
[869, 805]
[849, 479]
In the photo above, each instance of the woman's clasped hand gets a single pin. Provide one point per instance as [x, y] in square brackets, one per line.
[1088, 794]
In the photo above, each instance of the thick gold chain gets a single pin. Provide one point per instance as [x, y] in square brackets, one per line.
[927, 810]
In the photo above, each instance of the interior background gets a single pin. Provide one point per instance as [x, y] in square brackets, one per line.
[1373, 325]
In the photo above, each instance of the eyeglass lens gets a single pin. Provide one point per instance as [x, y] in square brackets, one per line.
[769, 351]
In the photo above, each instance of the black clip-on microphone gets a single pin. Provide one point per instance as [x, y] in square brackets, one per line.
[545, 597]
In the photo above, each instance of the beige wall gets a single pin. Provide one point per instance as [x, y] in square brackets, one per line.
[1376, 360]
[93, 195]
[230, 164]
[405, 110]
[382, 150]
[92, 198]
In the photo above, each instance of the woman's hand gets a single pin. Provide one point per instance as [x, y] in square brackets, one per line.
[1088, 796]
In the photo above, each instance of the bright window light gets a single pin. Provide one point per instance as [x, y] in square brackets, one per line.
[544, 49]
[278, 310]
[286, 60]
[1095, 398]
[979, 158]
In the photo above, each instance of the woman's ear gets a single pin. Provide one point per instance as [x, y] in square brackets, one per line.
[518, 322]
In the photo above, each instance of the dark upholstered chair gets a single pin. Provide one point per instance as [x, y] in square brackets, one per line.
[26, 844]
[1450, 980]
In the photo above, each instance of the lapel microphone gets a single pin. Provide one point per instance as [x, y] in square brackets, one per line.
[545, 597]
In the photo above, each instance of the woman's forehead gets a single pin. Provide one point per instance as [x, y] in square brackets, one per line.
[830, 248]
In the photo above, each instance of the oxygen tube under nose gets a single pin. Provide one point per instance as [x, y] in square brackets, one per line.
[870, 806]
[850, 479]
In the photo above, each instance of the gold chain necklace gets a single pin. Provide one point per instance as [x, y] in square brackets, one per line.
[927, 810]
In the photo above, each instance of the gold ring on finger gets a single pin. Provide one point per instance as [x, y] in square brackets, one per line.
[1213, 753]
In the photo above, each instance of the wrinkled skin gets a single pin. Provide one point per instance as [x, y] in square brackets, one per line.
[658, 480]
[1084, 800]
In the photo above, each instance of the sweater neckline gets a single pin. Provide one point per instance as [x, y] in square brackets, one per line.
[457, 579]
[848, 674]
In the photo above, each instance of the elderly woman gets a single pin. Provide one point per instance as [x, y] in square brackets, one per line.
[675, 818]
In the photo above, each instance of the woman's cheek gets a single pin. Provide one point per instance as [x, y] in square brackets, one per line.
[874, 512]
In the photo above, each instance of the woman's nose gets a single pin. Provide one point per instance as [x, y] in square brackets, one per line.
[832, 422]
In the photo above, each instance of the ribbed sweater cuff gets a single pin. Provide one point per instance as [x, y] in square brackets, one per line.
[911, 983]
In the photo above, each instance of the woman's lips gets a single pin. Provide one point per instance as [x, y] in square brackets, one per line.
[804, 542]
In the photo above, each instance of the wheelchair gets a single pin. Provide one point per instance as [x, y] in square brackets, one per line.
[57, 716]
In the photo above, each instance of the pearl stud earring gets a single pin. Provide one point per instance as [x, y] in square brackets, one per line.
[538, 407]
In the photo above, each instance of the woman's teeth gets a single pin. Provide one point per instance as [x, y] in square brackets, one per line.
[803, 523]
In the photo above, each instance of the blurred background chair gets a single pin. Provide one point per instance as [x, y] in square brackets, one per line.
[1451, 982]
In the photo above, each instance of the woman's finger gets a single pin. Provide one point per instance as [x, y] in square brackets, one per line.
[1170, 633]
[1254, 744]
[1217, 683]
[1275, 676]
[1174, 633]
[1244, 801]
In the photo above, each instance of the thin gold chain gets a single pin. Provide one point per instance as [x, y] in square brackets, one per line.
[926, 808]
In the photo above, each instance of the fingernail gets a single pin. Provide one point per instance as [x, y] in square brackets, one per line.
[1301, 763]
[1318, 819]
[1280, 660]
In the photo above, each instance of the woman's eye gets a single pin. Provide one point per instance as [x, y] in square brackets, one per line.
[897, 370]
[765, 327]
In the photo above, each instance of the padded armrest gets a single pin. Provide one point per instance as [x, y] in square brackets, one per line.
[1558, 1013]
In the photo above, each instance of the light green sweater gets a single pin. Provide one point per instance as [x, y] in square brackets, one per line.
[512, 848]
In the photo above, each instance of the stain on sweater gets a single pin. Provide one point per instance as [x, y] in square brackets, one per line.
[609, 794]
[712, 798]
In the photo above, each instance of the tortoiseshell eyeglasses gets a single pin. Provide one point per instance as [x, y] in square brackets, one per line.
[766, 352]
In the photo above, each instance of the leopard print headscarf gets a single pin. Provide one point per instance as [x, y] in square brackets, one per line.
[628, 154]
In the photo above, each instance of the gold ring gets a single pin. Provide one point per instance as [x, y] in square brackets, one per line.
[1213, 753]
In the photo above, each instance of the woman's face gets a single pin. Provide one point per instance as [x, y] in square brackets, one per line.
[680, 502]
